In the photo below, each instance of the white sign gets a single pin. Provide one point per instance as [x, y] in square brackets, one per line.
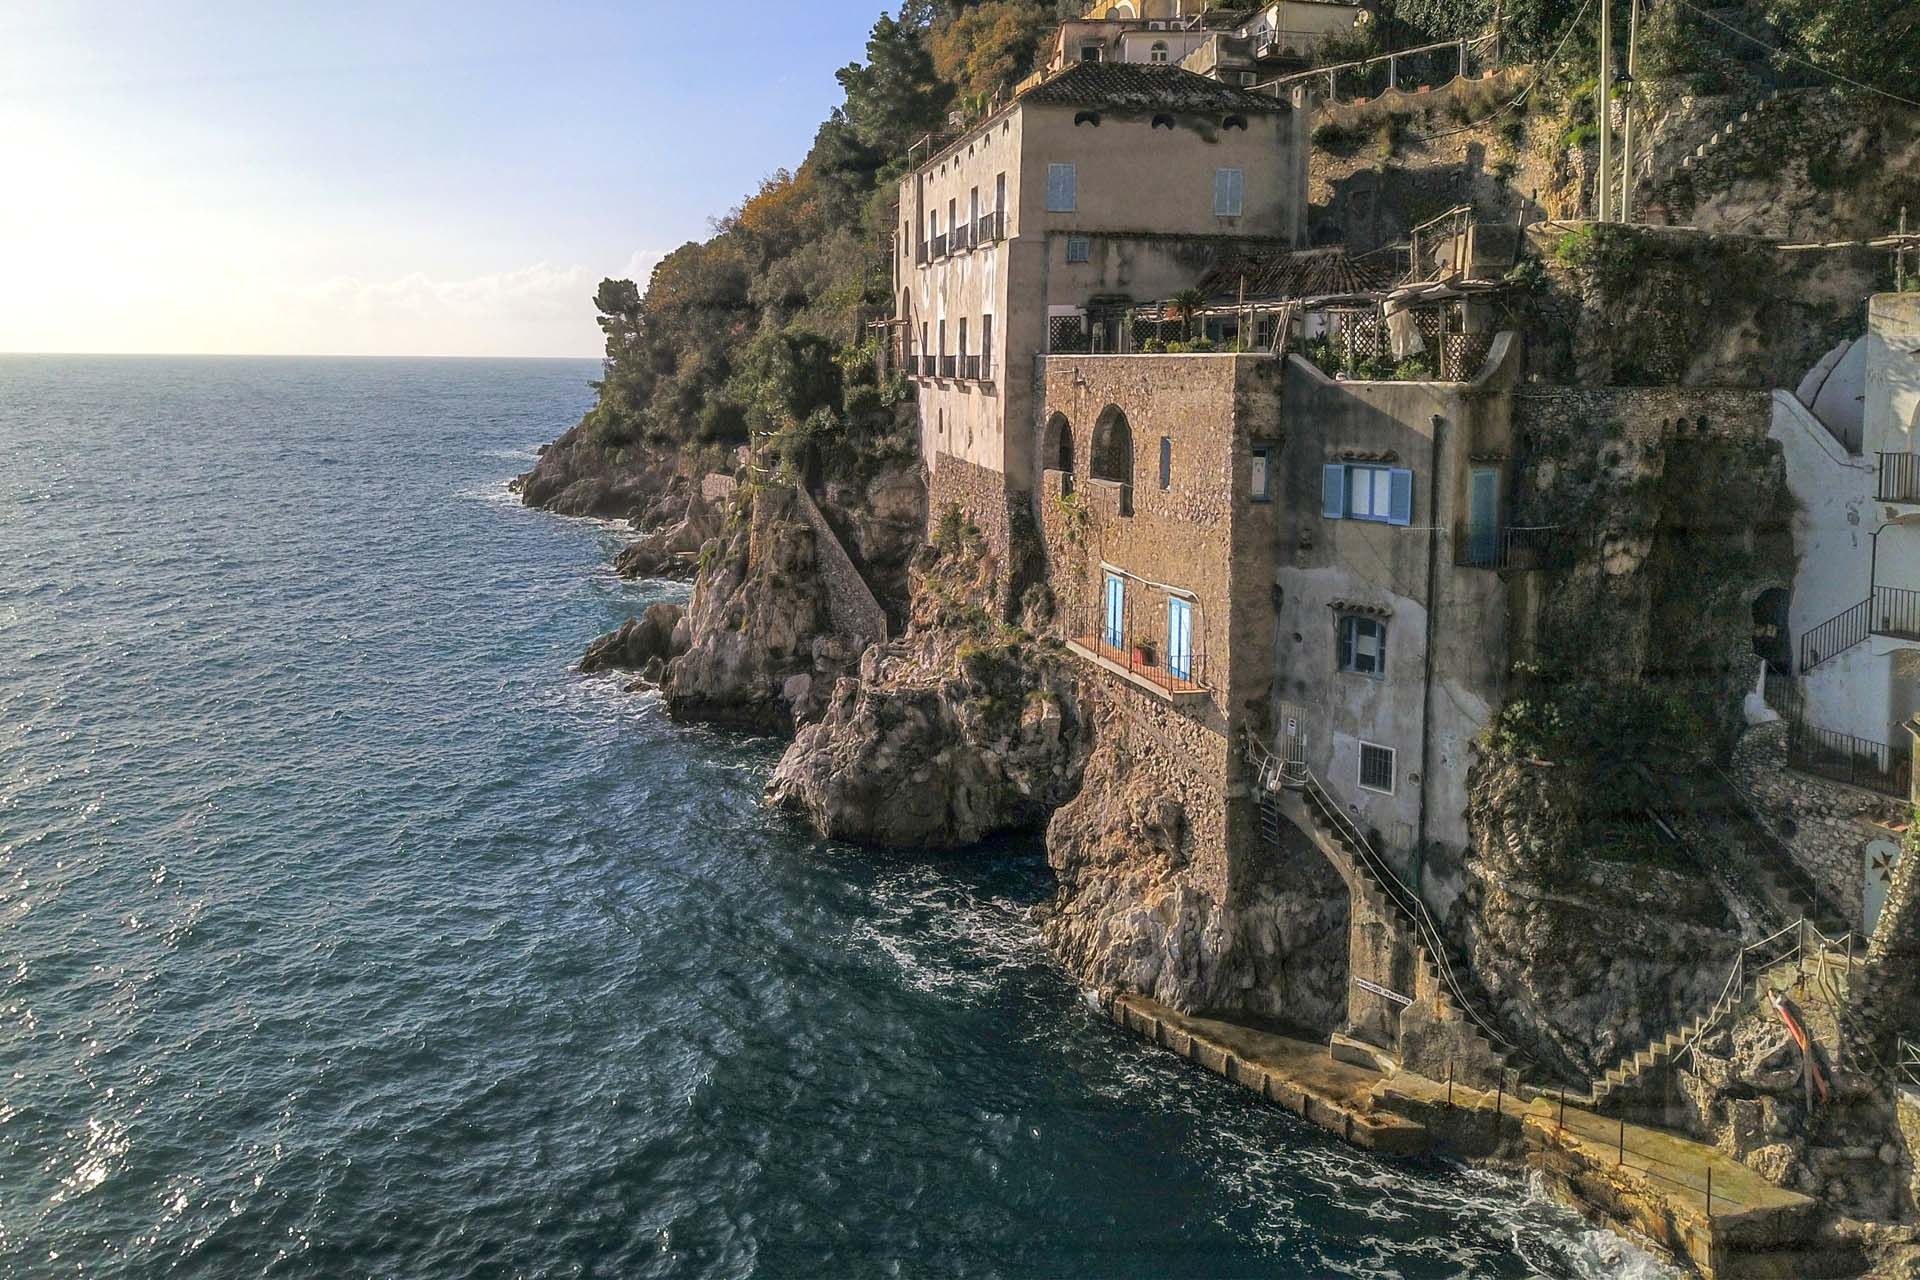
[1382, 992]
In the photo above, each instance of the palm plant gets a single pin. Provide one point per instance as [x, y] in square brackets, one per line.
[1185, 305]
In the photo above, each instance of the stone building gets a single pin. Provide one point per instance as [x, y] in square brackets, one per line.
[1238, 45]
[1034, 230]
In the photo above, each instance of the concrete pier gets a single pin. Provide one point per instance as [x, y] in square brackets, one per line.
[1650, 1183]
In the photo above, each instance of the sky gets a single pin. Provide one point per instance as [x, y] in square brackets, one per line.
[380, 179]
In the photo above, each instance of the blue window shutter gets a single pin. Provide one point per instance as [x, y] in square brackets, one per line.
[1400, 496]
[1333, 491]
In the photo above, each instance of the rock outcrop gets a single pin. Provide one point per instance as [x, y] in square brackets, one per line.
[1590, 938]
[964, 727]
[644, 644]
[578, 476]
[760, 637]
[1135, 912]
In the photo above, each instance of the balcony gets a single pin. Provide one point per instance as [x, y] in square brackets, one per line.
[1899, 478]
[949, 366]
[991, 227]
[1090, 638]
[970, 368]
[962, 237]
[920, 254]
[1517, 548]
[939, 246]
[1896, 613]
[985, 373]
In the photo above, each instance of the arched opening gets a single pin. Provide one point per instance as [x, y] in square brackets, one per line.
[1158, 53]
[1086, 117]
[1771, 639]
[1234, 122]
[1057, 449]
[1163, 121]
[1112, 456]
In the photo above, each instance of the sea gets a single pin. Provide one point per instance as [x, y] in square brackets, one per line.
[347, 930]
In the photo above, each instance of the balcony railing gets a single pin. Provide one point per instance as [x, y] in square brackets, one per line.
[1896, 612]
[962, 238]
[970, 367]
[940, 246]
[1519, 548]
[1174, 674]
[920, 254]
[1858, 762]
[992, 226]
[1899, 477]
[947, 366]
[986, 366]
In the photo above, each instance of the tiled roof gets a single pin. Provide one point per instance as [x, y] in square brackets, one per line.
[1303, 273]
[1142, 86]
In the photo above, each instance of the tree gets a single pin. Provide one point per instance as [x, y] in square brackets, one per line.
[895, 96]
[990, 47]
[1876, 42]
[1184, 306]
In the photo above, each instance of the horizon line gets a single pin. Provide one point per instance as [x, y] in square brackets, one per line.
[287, 355]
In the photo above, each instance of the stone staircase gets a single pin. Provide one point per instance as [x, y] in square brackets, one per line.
[1288, 795]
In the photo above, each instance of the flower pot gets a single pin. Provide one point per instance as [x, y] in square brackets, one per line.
[1142, 656]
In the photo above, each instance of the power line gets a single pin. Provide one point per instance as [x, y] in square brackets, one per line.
[1791, 56]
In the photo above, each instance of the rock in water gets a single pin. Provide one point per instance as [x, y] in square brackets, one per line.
[639, 644]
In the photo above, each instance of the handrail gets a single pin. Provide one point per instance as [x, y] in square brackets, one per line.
[1906, 1059]
[1734, 993]
[1389, 880]
[1836, 635]
[1336, 68]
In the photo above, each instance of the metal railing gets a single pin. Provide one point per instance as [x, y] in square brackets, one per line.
[1836, 635]
[1906, 1060]
[1858, 762]
[1896, 612]
[920, 254]
[992, 226]
[1899, 477]
[986, 366]
[1089, 625]
[1360, 76]
[1517, 547]
[1295, 773]
[1790, 944]
[947, 366]
[939, 246]
[961, 237]
[970, 367]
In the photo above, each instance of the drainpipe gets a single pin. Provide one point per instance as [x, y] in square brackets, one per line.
[1426, 679]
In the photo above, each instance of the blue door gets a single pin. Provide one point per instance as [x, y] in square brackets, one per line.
[1180, 639]
[1114, 633]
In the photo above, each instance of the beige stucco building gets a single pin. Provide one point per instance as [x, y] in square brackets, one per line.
[1100, 187]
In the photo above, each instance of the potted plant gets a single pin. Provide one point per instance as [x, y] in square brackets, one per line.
[1143, 654]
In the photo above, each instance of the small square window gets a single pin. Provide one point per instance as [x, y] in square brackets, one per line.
[1363, 646]
[1079, 249]
[1259, 482]
[1376, 768]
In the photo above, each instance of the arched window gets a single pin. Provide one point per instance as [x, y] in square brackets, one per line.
[1112, 456]
[1058, 449]
[1086, 117]
[1158, 53]
[1163, 121]
[1234, 122]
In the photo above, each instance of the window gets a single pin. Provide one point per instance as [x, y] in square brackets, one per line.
[1062, 188]
[943, 338]
[1363, 646]
[1079, 248]
[1376, 767]
[1166, 461]
[973, 207]
[986, 347]
[1000, 193]
[1089, 53]
[963, 335]
[1259, 482]
[1114, 624]
[1179, 638]
[1384, 494]
[1228, 189]
[1159, 51]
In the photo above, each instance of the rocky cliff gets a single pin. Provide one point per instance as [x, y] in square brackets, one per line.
[965, 726]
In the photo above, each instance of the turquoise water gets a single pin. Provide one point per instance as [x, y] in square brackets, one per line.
[344, 930]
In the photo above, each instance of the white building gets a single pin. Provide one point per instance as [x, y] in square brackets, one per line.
[1852, 641]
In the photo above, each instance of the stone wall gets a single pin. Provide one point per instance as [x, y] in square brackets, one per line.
[1645, 415]
[1827, 826]
[850, 602]
[981, 494]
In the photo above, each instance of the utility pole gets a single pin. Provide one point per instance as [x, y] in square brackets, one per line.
[1633, 90]
[1603, 116]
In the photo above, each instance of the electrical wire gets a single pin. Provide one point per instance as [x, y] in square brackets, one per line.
[1517, 98]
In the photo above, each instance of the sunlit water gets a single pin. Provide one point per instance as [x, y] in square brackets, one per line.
[345, 930]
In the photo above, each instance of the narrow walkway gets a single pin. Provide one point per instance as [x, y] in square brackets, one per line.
[1651, 1182]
